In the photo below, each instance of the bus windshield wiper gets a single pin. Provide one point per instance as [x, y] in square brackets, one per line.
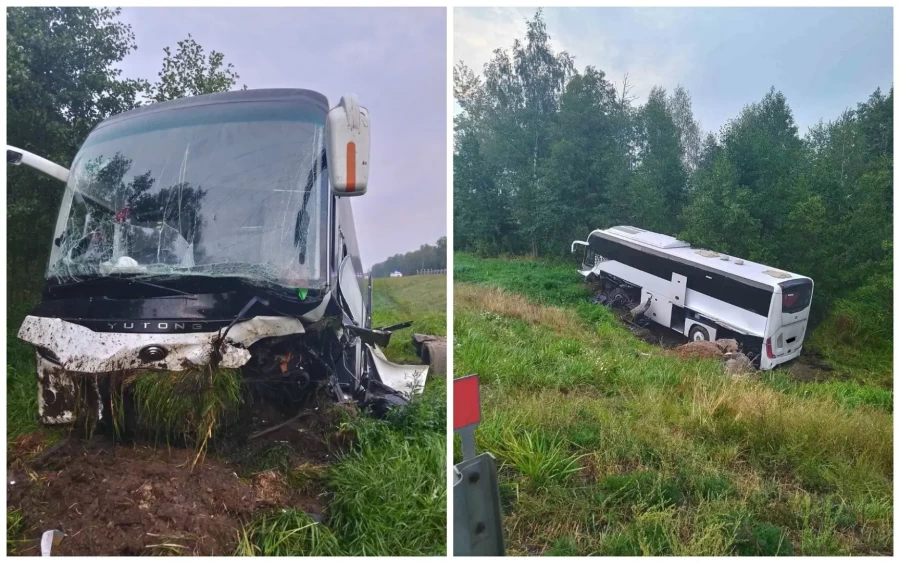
[129, 280]
[301, 230]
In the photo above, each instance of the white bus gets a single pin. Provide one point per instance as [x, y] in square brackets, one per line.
[700, 293]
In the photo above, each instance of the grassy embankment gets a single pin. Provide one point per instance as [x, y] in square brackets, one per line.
[386, 495]
[608, 445]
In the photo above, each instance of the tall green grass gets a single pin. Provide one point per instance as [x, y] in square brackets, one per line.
[287, 532]
[189, 405]
[672, 456]
[390, 492]
[21, 379]
[857, 336]
[421, 299]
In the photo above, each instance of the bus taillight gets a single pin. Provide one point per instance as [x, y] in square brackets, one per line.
[769, 351]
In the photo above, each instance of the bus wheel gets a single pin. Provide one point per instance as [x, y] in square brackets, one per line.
[698, 333]
[618, 298]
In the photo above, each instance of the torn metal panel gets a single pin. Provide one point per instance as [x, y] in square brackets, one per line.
[406, 379]
[319, 312]
[80, 349]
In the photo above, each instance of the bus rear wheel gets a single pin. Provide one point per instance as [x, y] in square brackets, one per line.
[698, 334]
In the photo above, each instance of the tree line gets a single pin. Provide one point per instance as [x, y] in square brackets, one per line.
[544, 153]
[427, 257]
[61, 81]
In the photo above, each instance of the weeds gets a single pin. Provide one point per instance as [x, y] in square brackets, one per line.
[15, 530]
[287, 532]
[390, 493]
[541, 457]
[186, 405]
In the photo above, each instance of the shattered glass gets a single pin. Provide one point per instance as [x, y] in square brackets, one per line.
[227, 189]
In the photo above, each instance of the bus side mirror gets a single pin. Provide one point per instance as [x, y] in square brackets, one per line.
[577, 243]
[347, 147]
[18, 157]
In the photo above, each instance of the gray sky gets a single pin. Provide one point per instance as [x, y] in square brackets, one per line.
[824, 60]
[394, 60]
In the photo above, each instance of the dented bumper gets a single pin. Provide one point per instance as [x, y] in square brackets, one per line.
[80, 349]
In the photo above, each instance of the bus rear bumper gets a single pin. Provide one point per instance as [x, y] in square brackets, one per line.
[766, 362]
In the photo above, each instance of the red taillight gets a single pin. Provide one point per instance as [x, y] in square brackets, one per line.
[769, 351]
[788, 300]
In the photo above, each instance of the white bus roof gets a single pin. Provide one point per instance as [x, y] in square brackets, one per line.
[666, 246]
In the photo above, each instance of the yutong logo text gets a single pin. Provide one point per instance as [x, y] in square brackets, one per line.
[154, 326]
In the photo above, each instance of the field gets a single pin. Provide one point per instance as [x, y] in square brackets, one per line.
[342, 483]
[608, 445]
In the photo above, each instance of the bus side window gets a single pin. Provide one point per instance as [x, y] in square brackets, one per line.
[589, 257]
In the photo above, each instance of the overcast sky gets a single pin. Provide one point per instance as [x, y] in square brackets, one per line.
[394, 60]
[824, 60]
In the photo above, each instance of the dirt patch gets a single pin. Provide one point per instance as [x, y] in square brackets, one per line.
[121, 500]
[707, 349]
[131, 499]
[812, 368]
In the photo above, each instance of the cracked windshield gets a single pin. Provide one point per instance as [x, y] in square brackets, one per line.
[219, 190]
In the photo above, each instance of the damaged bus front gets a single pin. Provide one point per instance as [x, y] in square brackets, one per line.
[212, 231]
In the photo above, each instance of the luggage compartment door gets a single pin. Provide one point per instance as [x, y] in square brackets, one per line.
[679, 289]
[660, 310]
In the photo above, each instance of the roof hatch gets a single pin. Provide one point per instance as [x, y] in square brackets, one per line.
[649, 238]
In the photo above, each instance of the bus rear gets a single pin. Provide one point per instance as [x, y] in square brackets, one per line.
[788, 317]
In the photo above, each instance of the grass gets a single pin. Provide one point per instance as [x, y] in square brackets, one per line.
[21, 382]
[608, 446]
[857, 338]
[287, 532]
[187, 405]
[390, 492]
[421, 299]
[15, 531]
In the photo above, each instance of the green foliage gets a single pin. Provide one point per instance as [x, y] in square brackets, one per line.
[15, 530]
[427, 257]
[645, 487]
[760, 538]
[390, 493]
[187, 405]
[564, 547]
[543, 154]
[189, 72]
[541, 457]
[857, 335]
[421, 299]
[287, 532]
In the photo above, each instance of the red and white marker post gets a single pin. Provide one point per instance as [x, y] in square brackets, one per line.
[466, 412]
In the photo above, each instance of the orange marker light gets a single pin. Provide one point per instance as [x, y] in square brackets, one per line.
[351, 166]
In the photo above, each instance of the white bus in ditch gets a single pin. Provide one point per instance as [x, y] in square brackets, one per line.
[700, 293]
